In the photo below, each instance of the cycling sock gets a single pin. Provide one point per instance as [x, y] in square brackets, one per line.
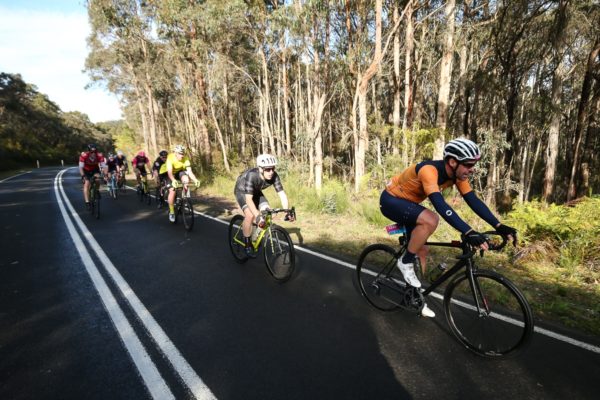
[171, 209]
[408, 257]
[247, 241]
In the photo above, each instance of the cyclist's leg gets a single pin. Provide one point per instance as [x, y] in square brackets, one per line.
[86, 187]
[248, 216]
[137, 173]
[263, 203]
[404, 212]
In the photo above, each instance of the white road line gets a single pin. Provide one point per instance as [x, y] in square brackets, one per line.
[537, 329]
[14, 176]
[197, 387]
[152, 379]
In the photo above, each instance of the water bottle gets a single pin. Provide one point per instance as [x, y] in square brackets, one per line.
[436, 272]
[255, 232]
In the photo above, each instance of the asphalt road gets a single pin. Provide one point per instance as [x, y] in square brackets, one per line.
[132, 307]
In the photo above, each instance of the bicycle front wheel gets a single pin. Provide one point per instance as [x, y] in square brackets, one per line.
[187, 211]
[492, 318]
[236, 239]
[376, 263]
[279, 254]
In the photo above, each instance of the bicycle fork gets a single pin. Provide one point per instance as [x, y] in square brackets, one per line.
[479, 298]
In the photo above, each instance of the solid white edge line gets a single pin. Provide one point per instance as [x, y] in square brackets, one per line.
[14, 176]
[194, 383]
[147, 369]
[539, 330]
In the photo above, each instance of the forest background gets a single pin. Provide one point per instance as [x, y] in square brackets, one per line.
[349, 93]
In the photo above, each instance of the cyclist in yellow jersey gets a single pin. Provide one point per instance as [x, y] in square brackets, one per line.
[179, 171]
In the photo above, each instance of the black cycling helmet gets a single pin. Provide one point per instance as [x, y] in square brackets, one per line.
[163, 153]
[92, 146]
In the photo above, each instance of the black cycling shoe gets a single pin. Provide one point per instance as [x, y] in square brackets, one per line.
[250, 252]
[88, 206]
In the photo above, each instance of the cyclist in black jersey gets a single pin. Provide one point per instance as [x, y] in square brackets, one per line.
[249, 195]
[160, 160]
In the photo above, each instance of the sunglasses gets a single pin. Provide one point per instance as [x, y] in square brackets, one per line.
[469, 165]
[268, 169]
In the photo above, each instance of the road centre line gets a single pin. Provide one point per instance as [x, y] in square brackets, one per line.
[166, 346]
[147, 369]
[542, 331]
[14, 176]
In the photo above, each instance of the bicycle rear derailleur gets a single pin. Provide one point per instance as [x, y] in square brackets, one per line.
[400, 293]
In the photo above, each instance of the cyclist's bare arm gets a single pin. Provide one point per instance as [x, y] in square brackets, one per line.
[284, 199]
[191, 174]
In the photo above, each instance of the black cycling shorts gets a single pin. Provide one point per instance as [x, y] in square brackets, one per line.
[259, 200]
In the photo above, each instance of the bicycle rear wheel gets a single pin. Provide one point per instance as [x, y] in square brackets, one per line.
[187, 211]
[376, 263]
[279, 254]
[159, 198]
[236, 239]
[504, 323]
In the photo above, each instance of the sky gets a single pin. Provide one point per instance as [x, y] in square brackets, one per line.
[45, 42]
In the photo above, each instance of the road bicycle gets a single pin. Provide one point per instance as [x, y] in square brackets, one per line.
[486, 312]
[142, 190]
[94, 196]
[278, 248]
[159, 194]
[112, 186]
[184, 207]
[121, 181]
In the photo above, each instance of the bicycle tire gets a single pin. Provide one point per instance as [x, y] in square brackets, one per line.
[159, 198]
[279, 253]
[235, 237]
[187, 212]
[376, 262]
[147, 194]
[96, 204]
[481, 333]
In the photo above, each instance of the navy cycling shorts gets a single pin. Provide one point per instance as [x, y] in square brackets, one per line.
[401, 211]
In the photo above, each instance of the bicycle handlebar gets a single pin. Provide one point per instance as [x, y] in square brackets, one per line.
[493, 245]
[290, 211]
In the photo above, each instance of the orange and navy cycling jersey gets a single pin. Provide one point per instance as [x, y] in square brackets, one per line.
[418, 181]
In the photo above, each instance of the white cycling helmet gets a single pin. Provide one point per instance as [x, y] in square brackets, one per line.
[180, 149]
[266, 160]
[462, 150]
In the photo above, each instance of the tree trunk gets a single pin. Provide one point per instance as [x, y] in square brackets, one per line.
[363, 134]
[408, 81]
[397, 88]
[557, 83]
[445, 77]
[591, 68]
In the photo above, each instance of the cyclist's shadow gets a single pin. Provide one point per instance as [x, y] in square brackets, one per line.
[296, 233]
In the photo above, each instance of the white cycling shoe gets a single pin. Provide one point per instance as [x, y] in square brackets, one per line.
[427, 312]
[408, 272]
